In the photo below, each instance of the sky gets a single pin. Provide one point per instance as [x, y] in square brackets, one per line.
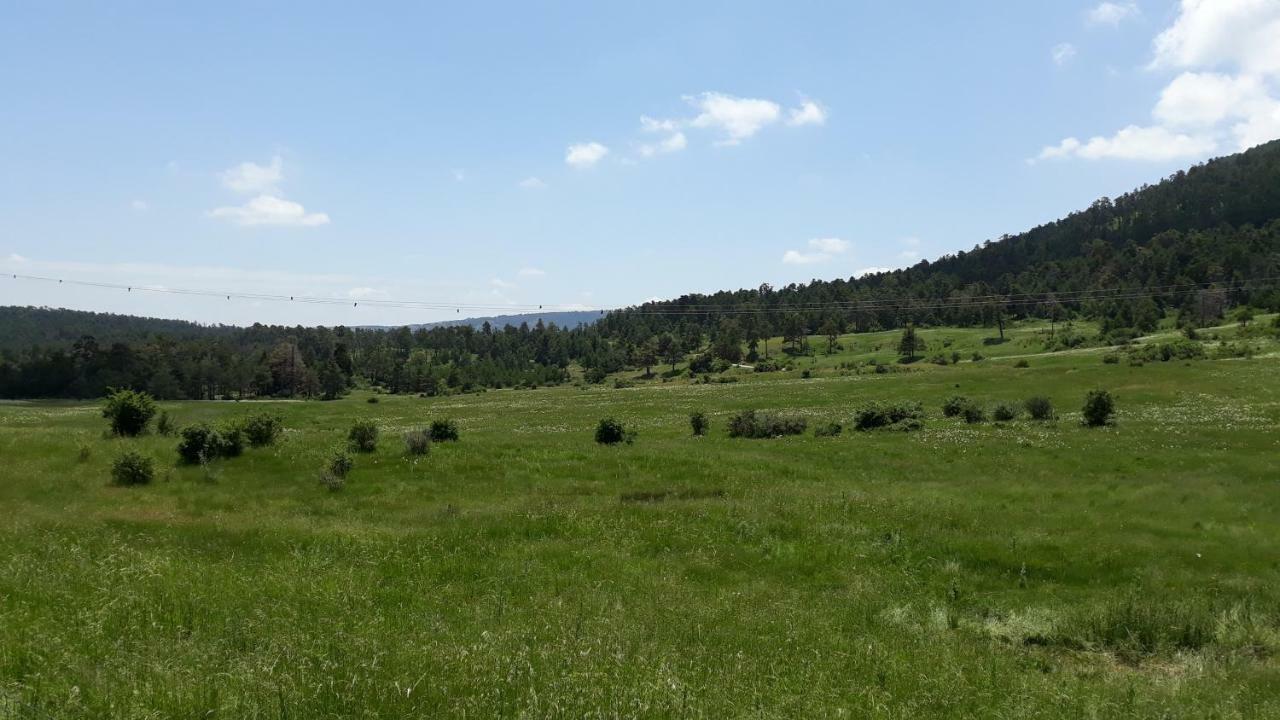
[492, 157]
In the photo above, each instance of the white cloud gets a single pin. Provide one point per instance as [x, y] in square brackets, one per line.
[738, 118]
[1112, 13]
[809, 113]
[139, 206]
[872, 271]
[16, 259]
[649, 124]
[533, 183]
[249, 177]
[270, 210]
[820, 250]
[1225, 96]
[1063, 53]
[531, 272]
[502, 284]
[911, 241]
[909, 255]
[1134, 143]
[585, 155]
[675, 143]
[362, 293]
[1216, 33]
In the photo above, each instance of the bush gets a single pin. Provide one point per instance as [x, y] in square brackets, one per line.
[595, 375]
[750, 424]
[263, 428]
[1039, 408]
[373, 400]
[889, 416]
[336, 468]
[363, 436]
[229, 440]
[699, 423]
[417, 442]
[702, 363]
[974, 414]
[828, 429]
[444, 431]
[1004, 412]
[1022, 364]
[1111, 359]
[1098, 408]
[954, 406]
[165, 426]
[132, 468]
[1166, 351]
[129, 412]
[612, 432]
[200, 443]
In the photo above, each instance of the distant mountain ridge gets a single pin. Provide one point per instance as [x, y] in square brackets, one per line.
[564, 319]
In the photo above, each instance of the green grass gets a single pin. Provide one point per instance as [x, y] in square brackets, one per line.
[1023, 569]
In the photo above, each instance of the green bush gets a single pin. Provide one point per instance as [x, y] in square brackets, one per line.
[699, 423]
[611, 431]
[165, 426]
[262, 429]
[198, 444]
[363, 436]
[417, 442]
[1099, 407]
[1022, 364]
[444, 431]
[889, 416]
[954, 406]
[974, 414]
[129, 412]
[1004, 412]
[1039, 408]
[750, 424]
[828, 429]
[336, 468]
[230, 440]
[132, 468]
[373, 400]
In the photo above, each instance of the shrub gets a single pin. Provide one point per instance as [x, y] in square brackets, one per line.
[200, 443]
[1039, 408]
[702, 363]
[444, 431]
[417, 442]
[230, 440]
[828, 429]
[978, 357]
[165, 426]
[889, 416]
[750, 424]
[336, 468]
[1166, 351]
[699, 423]
[974, 414]
[1111, 358]
[363, 436]
[83, 451]
[595, 375]
[611, 432]
[263, 428]
[132, 468]
[1004, 412]
[954, 406]
[806, 373]
[1098, 408]
[373, 400]
[1022, 364]
[129, 412]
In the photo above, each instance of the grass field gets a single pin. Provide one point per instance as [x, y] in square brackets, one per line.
[1014, 570]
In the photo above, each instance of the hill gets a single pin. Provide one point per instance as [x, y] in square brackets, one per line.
[564, 319]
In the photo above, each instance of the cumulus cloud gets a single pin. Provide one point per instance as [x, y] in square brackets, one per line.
[585, 155]
[809, 113]
[738, 118]
[1063, 53]
[533, 183]
[270, 210]
[1224, 97]
[531, 272]
[819, 250]
[250, 177]
[1112, 13]
[673, 143]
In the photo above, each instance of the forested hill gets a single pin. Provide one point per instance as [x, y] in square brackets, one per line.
[1218, 222]
[25, 327]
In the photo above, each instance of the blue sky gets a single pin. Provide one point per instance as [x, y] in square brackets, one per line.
[581, 154]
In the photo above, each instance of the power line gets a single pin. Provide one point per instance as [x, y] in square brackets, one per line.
[676, 308]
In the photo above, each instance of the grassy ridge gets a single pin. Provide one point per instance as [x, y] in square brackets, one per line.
[1014, 570]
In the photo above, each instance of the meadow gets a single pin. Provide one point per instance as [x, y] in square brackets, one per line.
[1021, 569]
